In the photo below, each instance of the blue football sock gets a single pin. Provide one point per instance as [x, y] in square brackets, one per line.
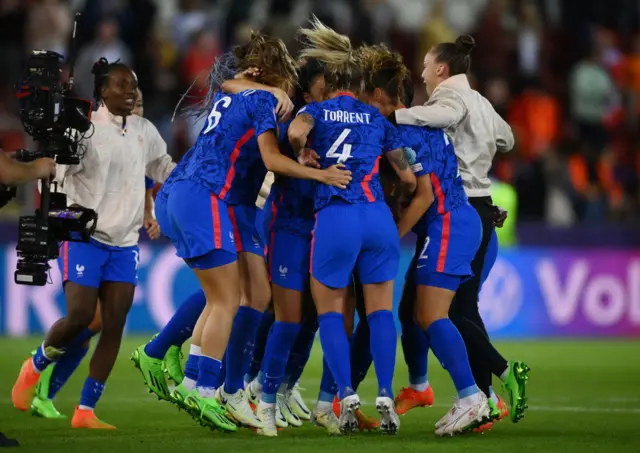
[42, 361]
[69, 361]
[361, 357]
[65, 367]
[280, 343]
[81, 339]
[415, 346]
[449, 348]
[262, 337]
[179, 328]
[91, 393]
[209, 371]
[328, 387]
[336, 350]
[240, 347]
[383, 349]
[191, 366]
[223, 370]
[301, 350]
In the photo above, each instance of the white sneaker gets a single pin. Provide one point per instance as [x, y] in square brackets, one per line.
[281, 421]
[267, 415]
[326, 419]
[464, 416]
[292, 419]
[254, 392]
[348, 408]
[237, 406]
[389, 420]
[296, 402]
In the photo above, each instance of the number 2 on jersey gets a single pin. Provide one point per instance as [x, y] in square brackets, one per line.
[214, 117]
[423, 253]
[346, 148]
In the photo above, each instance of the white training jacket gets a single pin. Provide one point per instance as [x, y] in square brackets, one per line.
[475, 129]
[110, 177]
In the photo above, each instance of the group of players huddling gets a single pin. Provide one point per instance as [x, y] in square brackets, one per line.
[355, 171]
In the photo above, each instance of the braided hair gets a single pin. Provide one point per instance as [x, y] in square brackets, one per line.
[101, 70]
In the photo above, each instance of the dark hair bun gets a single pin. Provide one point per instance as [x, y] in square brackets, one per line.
[465, 43]
[100, 66]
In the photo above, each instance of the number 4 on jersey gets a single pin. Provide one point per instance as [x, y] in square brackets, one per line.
[346, 148]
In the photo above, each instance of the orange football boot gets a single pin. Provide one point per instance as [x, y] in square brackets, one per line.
[85, 418]
[410, 398]
[25, 387]
[503, 408]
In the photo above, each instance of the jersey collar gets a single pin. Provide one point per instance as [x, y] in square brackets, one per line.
[104, 116]
[345, 93]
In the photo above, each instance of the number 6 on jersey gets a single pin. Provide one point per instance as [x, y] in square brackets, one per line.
[346, 148]
[214, 117]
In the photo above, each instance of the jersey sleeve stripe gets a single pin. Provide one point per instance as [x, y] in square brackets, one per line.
[437, 188]
[368, 178]
[234, 156]
[65, 261]
[446, 222]
[217, 227]
[444, 244]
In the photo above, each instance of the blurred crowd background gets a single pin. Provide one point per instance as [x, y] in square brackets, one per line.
[564, 73]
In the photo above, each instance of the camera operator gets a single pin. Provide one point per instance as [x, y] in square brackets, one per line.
[110, 180]
[14, 173]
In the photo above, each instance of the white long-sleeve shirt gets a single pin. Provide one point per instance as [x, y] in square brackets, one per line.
[475, 129]
[110, 177]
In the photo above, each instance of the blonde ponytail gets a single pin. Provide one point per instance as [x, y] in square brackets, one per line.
[332, 49]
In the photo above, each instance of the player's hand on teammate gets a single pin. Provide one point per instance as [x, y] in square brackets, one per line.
[152, 227]
[500, 216]
[44, 168]
[249, 74]
[284, 108]
[309, 158]
[336, 176]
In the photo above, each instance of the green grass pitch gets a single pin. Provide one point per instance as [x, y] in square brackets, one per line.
[584, 396]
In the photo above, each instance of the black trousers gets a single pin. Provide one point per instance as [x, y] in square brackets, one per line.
[484, 359]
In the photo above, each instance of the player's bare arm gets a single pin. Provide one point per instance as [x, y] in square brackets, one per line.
[284, 106]
[420, 203]
[400, 165]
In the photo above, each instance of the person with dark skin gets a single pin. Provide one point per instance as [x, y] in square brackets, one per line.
[54, 377]
[122, 150]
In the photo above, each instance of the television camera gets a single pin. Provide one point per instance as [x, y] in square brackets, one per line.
[57, 122]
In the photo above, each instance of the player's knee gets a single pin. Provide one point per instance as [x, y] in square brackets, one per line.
[80, 317]
[427, 316]
[96, 323]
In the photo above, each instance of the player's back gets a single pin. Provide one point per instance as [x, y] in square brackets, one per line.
[354, 226]
[291, 200]
[429, 151]
[226, 158]
[349, 132]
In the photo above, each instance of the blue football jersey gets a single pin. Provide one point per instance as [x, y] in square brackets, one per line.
[429, 151]
[291, 199]
[355, 134]
[226, 158]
